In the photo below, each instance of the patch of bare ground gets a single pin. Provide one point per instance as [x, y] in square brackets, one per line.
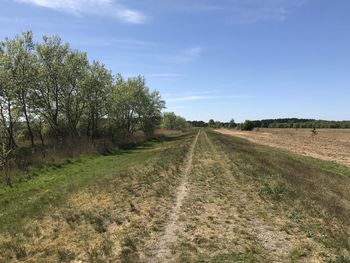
[163, 253]
[327, 144]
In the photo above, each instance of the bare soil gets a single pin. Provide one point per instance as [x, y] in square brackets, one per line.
[327, 144]
[169, 236]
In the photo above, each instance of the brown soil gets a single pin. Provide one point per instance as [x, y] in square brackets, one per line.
[327, 144]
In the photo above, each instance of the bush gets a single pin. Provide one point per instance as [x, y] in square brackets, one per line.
[247, 126]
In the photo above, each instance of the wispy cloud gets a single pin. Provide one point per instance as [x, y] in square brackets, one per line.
[92, 7]
[200, 97]
[173, 108]
[125, 43]
[243, 11]
[185, 56]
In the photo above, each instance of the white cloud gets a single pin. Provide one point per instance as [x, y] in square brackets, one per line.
[92, 7]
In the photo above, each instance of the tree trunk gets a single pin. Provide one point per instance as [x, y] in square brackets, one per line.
[11, 139]
[29, 128]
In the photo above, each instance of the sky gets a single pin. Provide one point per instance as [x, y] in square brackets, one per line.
[220, 59]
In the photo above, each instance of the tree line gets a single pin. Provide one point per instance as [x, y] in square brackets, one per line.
[49, 90]
[274, 123]
[300, 123]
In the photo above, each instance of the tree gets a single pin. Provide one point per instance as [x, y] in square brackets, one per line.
[21, 69]
[5, 158]
[98, 83]
[181, 123]
[132, 106]
[8, 106]
[169, 120]
[73, 90]
[48, 94]
[174, 122]
[232, 124]
[211, 123]
[247, 126]
[150, 111]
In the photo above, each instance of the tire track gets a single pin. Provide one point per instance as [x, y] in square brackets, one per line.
[163, 253]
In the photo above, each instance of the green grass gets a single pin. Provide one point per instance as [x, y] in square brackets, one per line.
[51, 186]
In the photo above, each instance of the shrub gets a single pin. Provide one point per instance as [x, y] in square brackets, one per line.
[247, 126]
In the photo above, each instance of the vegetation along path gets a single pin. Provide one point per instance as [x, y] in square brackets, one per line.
[198, 197]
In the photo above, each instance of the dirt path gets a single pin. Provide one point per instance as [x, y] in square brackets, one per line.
[222, 220]
[217, 218]
[169, 236]
[264, 229]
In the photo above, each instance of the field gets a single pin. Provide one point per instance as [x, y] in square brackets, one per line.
[198, 196]
[327, 144]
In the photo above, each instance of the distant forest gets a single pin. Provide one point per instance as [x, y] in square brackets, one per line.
[276, 123]
[300, 123]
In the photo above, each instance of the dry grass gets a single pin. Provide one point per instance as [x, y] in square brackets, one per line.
[312, 194]
[226, 221]
[244, 202]
[327, 144]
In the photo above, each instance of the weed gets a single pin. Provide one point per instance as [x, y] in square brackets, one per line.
[65, 255]
[129, 252]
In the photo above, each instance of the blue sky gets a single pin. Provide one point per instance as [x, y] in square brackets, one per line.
[221, 59]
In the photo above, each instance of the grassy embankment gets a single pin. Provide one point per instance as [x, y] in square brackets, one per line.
[92, 208]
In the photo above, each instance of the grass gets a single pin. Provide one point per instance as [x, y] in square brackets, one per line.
[246, 203]
[54, 184]
[311, 192]
[83, 199]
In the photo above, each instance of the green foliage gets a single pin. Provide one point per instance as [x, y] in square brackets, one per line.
[173, 122]
[134, 107]
[247, 126]
[211, 123]
[48, 89]
[300, 123]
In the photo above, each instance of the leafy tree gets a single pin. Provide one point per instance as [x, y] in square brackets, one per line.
[51, 87]
[20, 65]
[232, 124]
[150, 114]
[174, 122]
[212, 123]
[169, 120]
[98, 83]
[247, 126]
[8, 105]
[73, 90]
[133, 106]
